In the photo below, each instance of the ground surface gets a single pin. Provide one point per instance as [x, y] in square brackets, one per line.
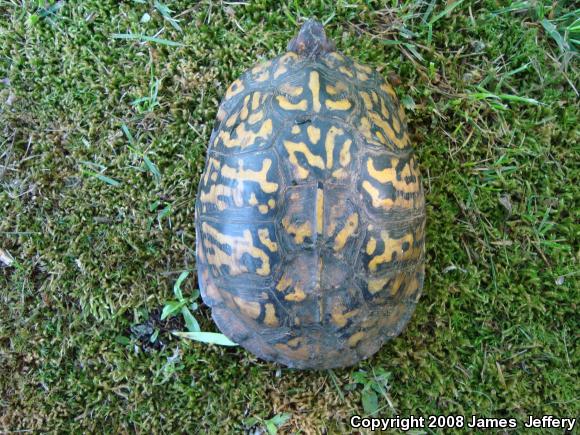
[94, 230]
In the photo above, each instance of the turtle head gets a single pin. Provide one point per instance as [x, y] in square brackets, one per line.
[311, 40]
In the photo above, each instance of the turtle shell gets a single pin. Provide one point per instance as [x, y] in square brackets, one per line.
[310, 215]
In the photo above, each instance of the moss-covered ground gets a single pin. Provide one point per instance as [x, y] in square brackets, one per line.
[95, 228]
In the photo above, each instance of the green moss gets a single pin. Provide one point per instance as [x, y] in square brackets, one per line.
[494, 333]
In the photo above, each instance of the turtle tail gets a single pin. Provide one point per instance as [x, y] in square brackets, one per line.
[311, 40]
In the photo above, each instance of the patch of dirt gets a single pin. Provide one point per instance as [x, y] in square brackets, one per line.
[143, 332]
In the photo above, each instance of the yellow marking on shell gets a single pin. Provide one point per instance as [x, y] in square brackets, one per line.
[319, 210]
[365, 127]
[296, 341]
[347, 231]
[363, 77]
[388, 203]
[293, 91]
[232, 120]
[339, 317]
[363, 68]
[245, 111]
[403, 143]
[255, 117]
[381, 121]
[214, 176]
[283, 63]
[371, 246]
[284, 283]
[396, 124]
[300, 232]
[271, 203]
[245, 138]
[397, 179]
[393, 249]
[346, 71]
[375, 285]
[397, 282]
[240, 246]
[217, 191]
[389, 90]
[302, 352]
[313, 134]
[344, 156]
[384, 110]
[256, 100]
[367, 100]
[412, 287]
[355, 338]
[330, 143]
[260, 177]
[235, 88]
[300, 147]
[261, 67]
[250, 309]
[213, 165]
[401, 112]
[221, 114]
[385, 175]
[253, 200]
[297, 295]
[264, 236]
[261, 72]
[279, 71]
[296, 129]
[336, 56]
[343, 104]
[388, 129]
[340, 174]
[263, 208]
[270, 315]
[336, 89]
[381, 137]
[314, 86]
[375, 196]
[211, 290]
[336, 211]
[286, 104]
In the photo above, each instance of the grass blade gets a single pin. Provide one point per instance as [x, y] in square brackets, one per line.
[428, 11]
[207, 337]
[177, 285]
[166, 13]
[556, 36]
[485, 95]
[152, 168]
[446, 12]
[171, 308]
[110, 181]
[145, 38]
[190, 321]
[516, 6]
[128, 134]
[519, 99]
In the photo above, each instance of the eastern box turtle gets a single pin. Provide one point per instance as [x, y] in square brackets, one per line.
[310, 214]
